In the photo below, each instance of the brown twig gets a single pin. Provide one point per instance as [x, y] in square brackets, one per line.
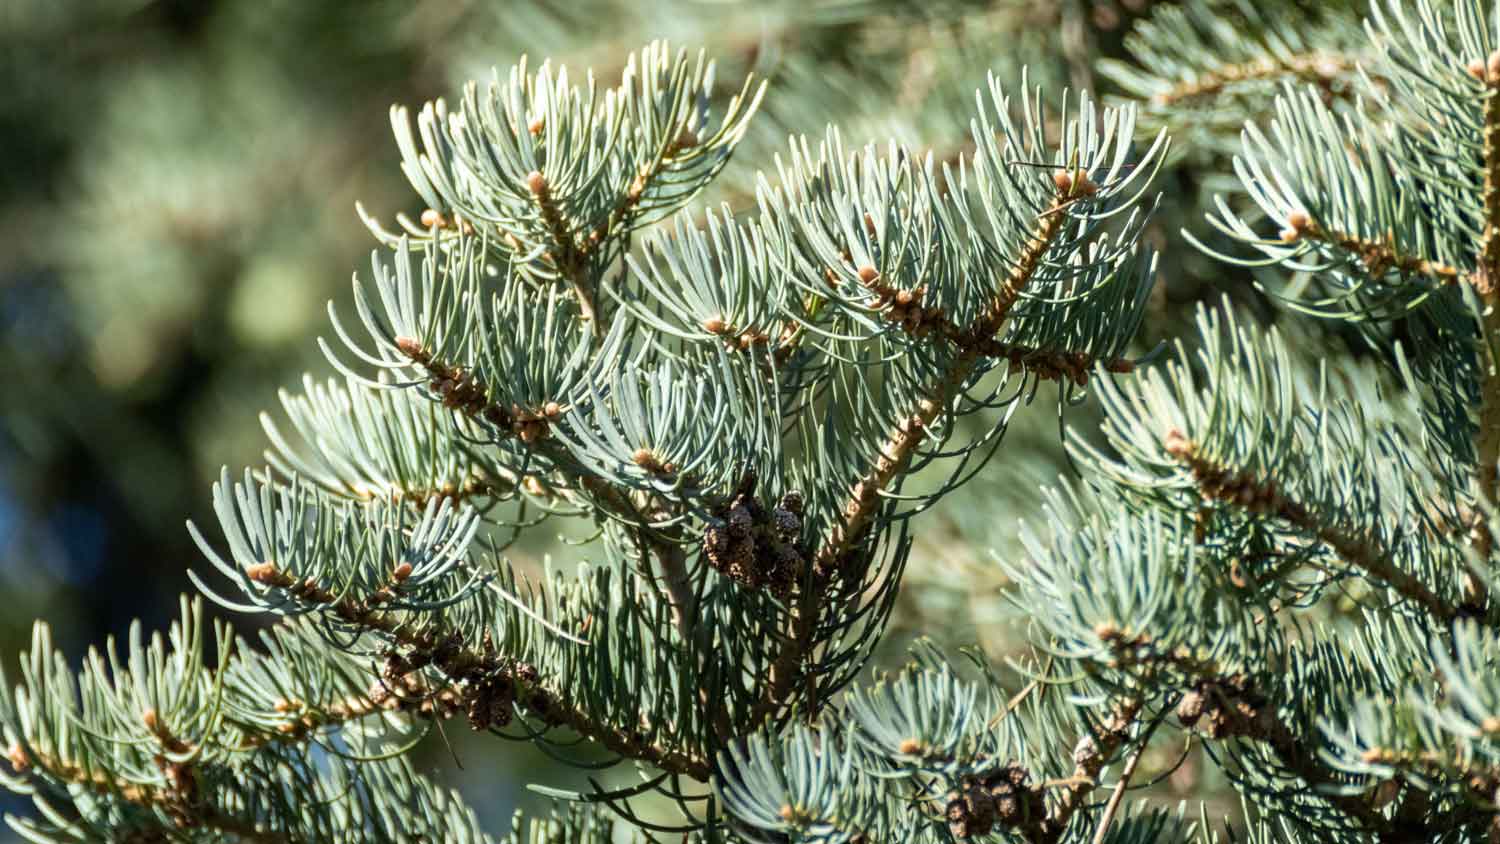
[1221, 483]
[894, 455]
[447, 653]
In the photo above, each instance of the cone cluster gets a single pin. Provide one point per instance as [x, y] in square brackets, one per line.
[754, 545]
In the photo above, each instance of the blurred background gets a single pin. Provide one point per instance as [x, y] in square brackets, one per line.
[177, 190]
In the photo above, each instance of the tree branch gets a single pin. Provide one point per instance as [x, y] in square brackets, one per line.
[896, 453]
[1262, 496]
[447, 653]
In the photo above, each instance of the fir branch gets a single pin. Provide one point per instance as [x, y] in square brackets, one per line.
[897, 452]
[904, 307]
[567, 255]
[176, 801]
[1376, 257]
[1319, 67]
[1258, 495]
[1487, 285]
[1233, 708]
[446, 652]
[461, 390]
[1089, 758]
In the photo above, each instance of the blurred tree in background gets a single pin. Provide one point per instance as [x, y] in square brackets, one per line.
[177, 206]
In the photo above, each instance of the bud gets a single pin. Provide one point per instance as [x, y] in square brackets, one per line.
[401, 573]
[409, 346]
[536, 126]
[868, 274]
[19, 761]
[151, 720]
[910, 747]
[537, 183]
[714, 325]
[1176, 444]
[261, 572]
[1064, 182]
[431, 218]
[1476, 69]
[1493, 66]
[1190, 708]
[552, 410]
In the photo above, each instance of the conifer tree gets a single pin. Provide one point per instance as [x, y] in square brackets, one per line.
[1276, 561]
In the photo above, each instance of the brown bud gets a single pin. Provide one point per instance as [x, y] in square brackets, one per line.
[19, 761]
[1084, 186]
[1107, 630]
[1290, 235]
[151, 720]
[409, 346]
[1177, 444]
[868, 274]
[714, 325]
[536, 126]
[1190, 708]
[1298, 221]
[1476, 69]
[432, 218]
[787, 813]
[1064, 182]
[552, 410]
[643, 458]
[537, 183]
[1493, 67]
[261, 572]
[910, 747]
[401, 572]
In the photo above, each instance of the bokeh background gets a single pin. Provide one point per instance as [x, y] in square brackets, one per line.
[177, 190]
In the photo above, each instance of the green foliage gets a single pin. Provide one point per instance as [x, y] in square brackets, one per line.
[1277, 560]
